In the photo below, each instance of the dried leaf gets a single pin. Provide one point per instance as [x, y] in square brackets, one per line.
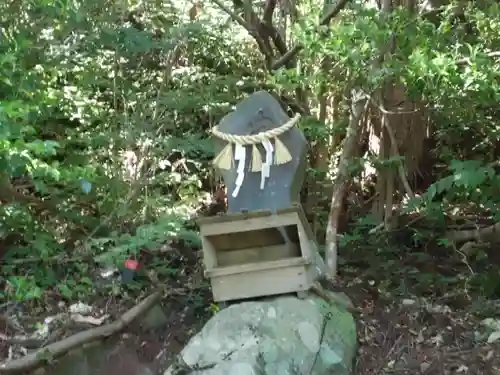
[88, 319]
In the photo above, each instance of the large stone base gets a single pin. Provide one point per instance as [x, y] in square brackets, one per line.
[281, 336]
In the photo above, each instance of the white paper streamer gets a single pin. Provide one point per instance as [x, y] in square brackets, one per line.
[240, 156]
[266, 166]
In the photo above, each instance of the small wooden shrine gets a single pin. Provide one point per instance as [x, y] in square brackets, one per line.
[263, 245]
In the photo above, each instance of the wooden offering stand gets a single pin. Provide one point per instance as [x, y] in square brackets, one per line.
[263, 246]
[258, 253]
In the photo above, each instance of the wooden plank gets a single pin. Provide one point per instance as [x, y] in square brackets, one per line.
[302, 216]
[305, 223]
[250, 224]
[292, 231]
[247, 215]
[257, 254]
[244, 240]
[209, 254]
[305, 242]
[264, 282]
[254, 267]
[307, 230]
[294, 208]
[232, 217]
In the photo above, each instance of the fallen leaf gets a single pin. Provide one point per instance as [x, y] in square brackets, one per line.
[408, 302]
[493, 324]
[80, 308]
[489, 356]
[437, 340]
[494, 336]
[420, 338]
[424, 366]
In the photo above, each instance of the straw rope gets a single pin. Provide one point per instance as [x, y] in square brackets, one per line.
[253, 139]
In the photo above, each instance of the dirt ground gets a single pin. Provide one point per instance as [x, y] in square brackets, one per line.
[398, 338]
[395, 337]
[407, 337]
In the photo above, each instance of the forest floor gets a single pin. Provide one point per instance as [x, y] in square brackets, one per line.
[404, 336]
[413, 337]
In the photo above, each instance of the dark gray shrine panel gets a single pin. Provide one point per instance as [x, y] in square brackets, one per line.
[284, 155]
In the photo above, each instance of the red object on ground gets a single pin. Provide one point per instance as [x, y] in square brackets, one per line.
[130, 270]
[131, 264]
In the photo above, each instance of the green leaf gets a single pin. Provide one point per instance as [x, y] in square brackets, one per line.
[65, 290]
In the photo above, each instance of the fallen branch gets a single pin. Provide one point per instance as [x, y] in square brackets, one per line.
[333, 298]
[59, 348]
[467, 60]
[485, 233]
[28, 342]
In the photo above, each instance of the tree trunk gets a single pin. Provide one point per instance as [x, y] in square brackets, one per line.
[358, 105]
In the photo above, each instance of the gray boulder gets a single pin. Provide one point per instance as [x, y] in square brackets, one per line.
[281, 336]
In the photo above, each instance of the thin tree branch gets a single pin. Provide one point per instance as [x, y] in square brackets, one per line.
[467, 60]
[234, 16]
[286, 58]
[254, 27]
[270, 30]
[394, 147]
[269, 11]
[486, 233]
[333, 12]
[251, 17]
[401, 170]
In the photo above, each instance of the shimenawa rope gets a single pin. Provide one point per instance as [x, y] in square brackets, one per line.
[281, 154]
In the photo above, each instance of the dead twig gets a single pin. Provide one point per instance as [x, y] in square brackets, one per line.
[59, 348]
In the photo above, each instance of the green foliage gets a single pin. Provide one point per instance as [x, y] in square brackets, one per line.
[103, 117]
[105, 107]
[454, 71]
